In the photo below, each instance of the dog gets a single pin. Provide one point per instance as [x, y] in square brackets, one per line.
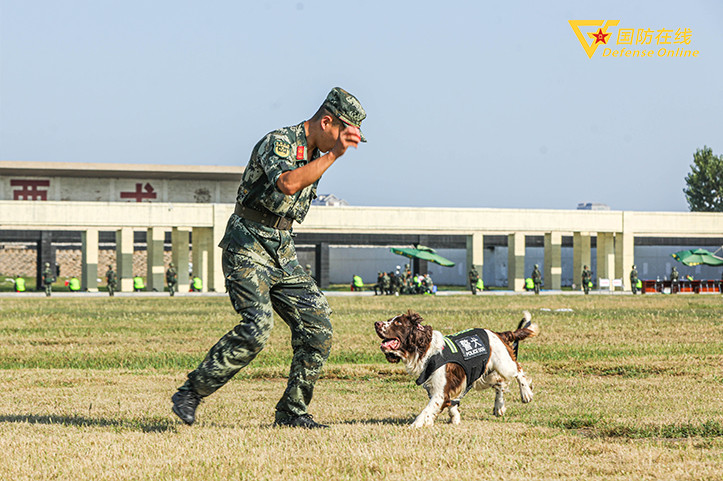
[449, 366]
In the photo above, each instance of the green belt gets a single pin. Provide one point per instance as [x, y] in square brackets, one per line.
[266, 218]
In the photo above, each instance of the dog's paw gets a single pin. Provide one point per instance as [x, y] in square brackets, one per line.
[422, 421]
[499, 410]
[526, 395]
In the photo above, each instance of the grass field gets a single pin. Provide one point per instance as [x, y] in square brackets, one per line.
[625, 388]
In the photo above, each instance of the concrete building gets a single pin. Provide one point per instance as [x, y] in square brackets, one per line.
[611, 235]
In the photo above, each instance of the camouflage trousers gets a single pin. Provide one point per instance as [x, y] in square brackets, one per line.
[255, 288]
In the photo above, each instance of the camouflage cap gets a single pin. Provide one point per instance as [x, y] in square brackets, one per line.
[345, 106]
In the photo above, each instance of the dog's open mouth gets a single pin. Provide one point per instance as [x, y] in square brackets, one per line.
[389, 345]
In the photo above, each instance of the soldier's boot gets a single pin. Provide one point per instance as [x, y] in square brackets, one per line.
[304, 421]
[185, 404]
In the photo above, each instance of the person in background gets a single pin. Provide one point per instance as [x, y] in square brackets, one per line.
[111, 281]
[634, 280]
[473, 277]
[674, 279]
[48, 279]
[586, 279]
[536, 279]
[172, 279]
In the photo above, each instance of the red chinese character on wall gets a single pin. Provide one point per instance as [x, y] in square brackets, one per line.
[141, 192]
[29, 189]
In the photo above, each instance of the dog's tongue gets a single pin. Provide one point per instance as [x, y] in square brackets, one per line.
[391, 344]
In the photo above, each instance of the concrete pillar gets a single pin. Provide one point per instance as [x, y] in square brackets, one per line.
[516, 261]
[553, 260]
[580, 256]
[155, 268]
[475, 253]
[605, 257]
[216, 279]
[124, 258]
[322, 265]
[89, 260]
[202, 251]
[624, 256]
[180, 242]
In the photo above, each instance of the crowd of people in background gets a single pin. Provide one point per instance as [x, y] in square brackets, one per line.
[398, 281]
[394, 282]
[50, 275]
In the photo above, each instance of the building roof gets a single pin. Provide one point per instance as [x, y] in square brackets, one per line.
[98, 170]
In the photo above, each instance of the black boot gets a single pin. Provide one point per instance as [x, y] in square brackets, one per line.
[303, 421]
[185, 404]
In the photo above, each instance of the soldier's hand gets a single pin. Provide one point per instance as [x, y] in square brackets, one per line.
[348, 137]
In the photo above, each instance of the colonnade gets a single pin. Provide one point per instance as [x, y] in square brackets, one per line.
[199, 241]
[614, 255]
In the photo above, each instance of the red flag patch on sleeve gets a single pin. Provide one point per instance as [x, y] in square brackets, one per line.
[300, 152]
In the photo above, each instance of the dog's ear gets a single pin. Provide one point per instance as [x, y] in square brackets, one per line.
[421, 337]
[414, 317]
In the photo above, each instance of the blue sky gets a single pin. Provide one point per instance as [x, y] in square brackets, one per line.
[470, 104]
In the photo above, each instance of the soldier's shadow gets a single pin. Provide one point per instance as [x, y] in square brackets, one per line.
[143, 425]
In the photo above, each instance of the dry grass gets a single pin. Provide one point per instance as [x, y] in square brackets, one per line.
[626, 388]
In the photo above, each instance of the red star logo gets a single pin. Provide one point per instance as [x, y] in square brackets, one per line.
[601, 37]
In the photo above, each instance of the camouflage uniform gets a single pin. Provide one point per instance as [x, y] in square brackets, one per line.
[634, 280]
[586, 279]
[110, 279]
[172, 279]
[536, 279]
[263, 275]
[674, 278]
[473, 276]
[48, 279]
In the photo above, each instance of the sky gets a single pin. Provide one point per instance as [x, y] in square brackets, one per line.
[469, 103]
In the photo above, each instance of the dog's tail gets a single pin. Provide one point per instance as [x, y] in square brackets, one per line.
[524, 330]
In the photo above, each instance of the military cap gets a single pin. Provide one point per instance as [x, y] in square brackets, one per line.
[345, 106]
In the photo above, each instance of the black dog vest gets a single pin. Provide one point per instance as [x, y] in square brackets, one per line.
[470, 349]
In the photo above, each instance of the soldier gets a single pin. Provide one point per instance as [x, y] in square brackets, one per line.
[634, 280]
[674, 277]
[396, 280]
[111, 280]
[48, 279]
[473, 276]
[536, 279]
[378, 289]
[19, 284]
[260, 264]
[172, 279]
[586, 279]
[386, 283]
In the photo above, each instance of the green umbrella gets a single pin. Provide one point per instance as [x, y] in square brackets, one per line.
[696, 257]
[424, 253]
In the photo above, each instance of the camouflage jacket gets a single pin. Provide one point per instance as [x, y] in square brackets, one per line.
[171, 275]
[279, 151]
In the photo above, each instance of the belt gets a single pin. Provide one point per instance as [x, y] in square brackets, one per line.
[266, 218]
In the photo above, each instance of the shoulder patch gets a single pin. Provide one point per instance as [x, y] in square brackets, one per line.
[281, 148]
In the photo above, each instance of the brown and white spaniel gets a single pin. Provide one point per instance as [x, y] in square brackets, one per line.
[448, 366]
